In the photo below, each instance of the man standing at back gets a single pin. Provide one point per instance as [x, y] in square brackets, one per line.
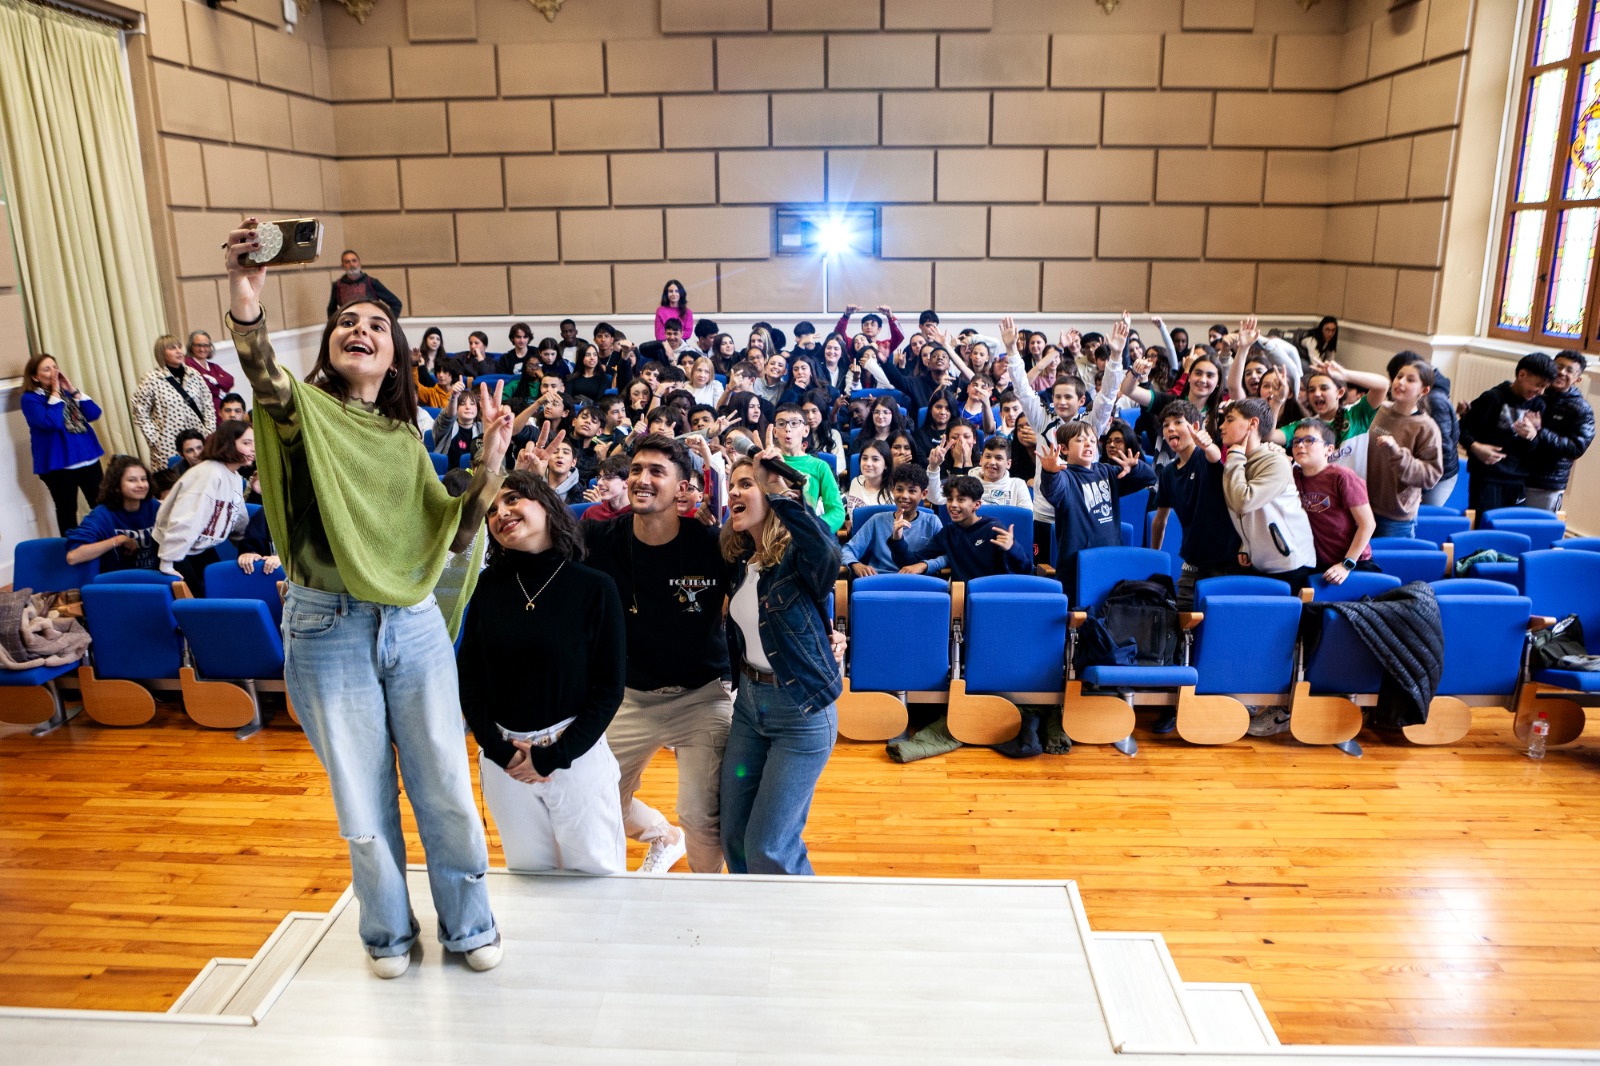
[1500, 430]
[354, 284]
[1565, 433]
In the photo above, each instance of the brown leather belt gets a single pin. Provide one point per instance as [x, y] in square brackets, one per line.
[756, 675]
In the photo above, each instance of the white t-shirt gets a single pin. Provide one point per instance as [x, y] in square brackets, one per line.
[745, 610]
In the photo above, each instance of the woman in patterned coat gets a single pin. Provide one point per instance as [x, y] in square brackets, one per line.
[171, 399]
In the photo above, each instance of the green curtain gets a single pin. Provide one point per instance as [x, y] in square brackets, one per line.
[80, 219]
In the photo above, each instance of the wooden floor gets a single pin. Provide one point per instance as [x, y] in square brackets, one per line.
[1427, 896]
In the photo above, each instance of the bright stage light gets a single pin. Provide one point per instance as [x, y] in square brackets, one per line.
[830, 233]
[835, 236]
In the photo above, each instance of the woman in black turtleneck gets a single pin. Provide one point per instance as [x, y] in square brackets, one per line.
[549, 778]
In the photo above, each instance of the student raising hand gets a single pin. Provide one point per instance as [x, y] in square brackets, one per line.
[496, 417]
[1050, 457]
[1005, 538]
[1008, 333]
[535, 455]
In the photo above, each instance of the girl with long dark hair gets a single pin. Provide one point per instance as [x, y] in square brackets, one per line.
[674, 304]
[66, 451]
[118, 530]
[206, 506]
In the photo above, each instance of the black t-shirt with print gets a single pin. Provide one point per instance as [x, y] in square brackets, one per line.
[672, 599]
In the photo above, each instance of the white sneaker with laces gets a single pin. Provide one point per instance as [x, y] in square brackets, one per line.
[661, 856]
[389, 967]
[1269, 723]
[486, 957]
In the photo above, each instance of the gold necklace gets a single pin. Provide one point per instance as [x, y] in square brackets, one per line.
[529, 605]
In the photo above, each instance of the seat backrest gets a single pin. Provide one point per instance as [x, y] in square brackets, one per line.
[1132, 509]
[1492, 519]
[1434, 509]
[41, 565]
[225, 581]
[1501, 540]
[1483, 641]
[577, 509]
[230, 638]
[899, 638]
[1172, 538]
[1099, 570]
[1238, 585]
[1016, 641]
[1438, 528]
[135, 634]
[1472, 586]
[135, 577]
[900, 583]
[1130, 539]
[1357, 584]
[1014, 583]
[1407, 565]
[1461, 495]
[831, 459]
[1416, 544]
[1541, 532]
[1578, 544]
[1561, 583]
[1020, 519]
[1340, 661]
[441, 462]
[1246, 643]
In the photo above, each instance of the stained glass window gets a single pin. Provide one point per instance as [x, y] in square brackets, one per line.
[1557, 19]
[1522, 269]
[1544, 131]
[1583, 160]
[1574, 266]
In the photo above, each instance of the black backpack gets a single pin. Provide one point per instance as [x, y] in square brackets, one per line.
[1146, 614]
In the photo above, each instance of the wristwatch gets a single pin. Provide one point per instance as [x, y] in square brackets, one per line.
[1348, 564]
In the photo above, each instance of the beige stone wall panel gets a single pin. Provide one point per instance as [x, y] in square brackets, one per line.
[1297, 177]
[1362, 113]
[938, 14]
[1397, 39]
[934, 232]
[432, 71]
[1306, 61]
[296, 182]
[312, 125]
[1383, 169]
[496, 126]
[990, 175]
[789, 285]
[935, 118]
[1351, 234]
[611, 236]
[1052, 118]
[186, 180]
[1151, 232]
[994, 60]
[879, 175]
[770, 177]
[557, 181]
[863, 61]
[1411, 234]
[1428, 97]
[1042, 232]
[1289, 289]
[192, 104]
[1219, 14]
[590, 125]
[461, 290]
[570, 68]
[1416, 300]
[719, 233]
[506, 237]
[1432, 164]
[360, 74]
[1161, 118]
[1100, 175]
[260, 116]
[780, 62]
[792, 15]
[1217, 61]
[663, 178]
[220, 42]
[1273, 120]
[713, 16]
[389, 129]
[284, 62]
[984, 286]
[681, 65]
[736, 121]
[1096, 286]
[1105, 60]
[1204, 176]
[824, 119]
[369, 184]
[236, 177]
[443, 184]
[1369, 295]
[1196, 288]
[386, 240]
[869, 282]
[1265, 233]
[638, 286]
[568, 289]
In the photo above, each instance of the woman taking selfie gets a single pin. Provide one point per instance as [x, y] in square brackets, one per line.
[363, 527]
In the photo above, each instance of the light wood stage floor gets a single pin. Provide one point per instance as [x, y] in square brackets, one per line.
[1438, 896]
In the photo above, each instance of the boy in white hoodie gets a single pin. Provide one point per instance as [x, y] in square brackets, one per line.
[1258, 483]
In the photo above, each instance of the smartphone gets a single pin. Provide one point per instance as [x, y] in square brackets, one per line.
[290, 240]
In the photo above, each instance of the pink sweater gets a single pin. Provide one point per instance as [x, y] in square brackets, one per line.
[685, 316]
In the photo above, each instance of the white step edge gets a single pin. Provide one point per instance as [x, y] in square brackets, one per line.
[212, 987]
[1141, 979]
[1226, 1015]
[299, 934]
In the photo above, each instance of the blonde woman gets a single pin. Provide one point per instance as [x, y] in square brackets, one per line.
[703, 383]
[172, 398]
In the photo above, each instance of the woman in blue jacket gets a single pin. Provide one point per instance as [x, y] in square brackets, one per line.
[66, 452]
[784, 722]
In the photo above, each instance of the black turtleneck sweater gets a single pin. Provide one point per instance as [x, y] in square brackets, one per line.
[530, 670]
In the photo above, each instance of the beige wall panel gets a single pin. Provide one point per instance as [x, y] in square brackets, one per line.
[770, 177]
[1046, 118]
[1178, 288]
[718, 232]
[1273, 120]
[441, 20]
[1297, 178]
[394, 239]
[1201, 176]
[1025, 232]
[1009, 60]
[169, 36]
[876, 175]
[1449, 23]
[571, 68]
[198, 233]
[506, 237]
[934, 232]
[192, 103]
[260, 116]
[638, 286]
[1362, 113]
[462, 290]
[557, 181]
[303, 295]
[664, 178]
[859, 61]
[442, 184]
[780, 285]
[938, 14]
[714, 121]
[1350, 234]
[284, 62]
[1217, 61]
[1382, 169]
[584, 125]
[1330, 290]
[312, 123]
[266, 12]
[331, 200]
[1288, 289]
[681, 65]
[220, 42]
[1079, 60]
[869, 282]
[990, 175]
[369, 184]
[791, 15]
[360, 74]
[779, 62]
[985, 286]
[824, 119]
[1166, 118]
[1397, 39]
[1096, 286]
[320, 87]
[1219, 14]
[1411, 234]
[606, 236]
[199, 302]
[296, 182]
[1100, 175]
[1428, 97]
[935, 118]
[1369, 295]
[431, 71]
[495, 126]
[186, 179]
[1342, 175]
[1265, 232]
[1306, 61]
[1432, 164]
[1353, 55]
[561, 290]
[713, 16]
[1152, 232]
[1416, 295]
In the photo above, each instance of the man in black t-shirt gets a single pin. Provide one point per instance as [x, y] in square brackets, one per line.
[673, 582]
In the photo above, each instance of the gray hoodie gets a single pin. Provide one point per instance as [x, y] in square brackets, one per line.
[1265, 506]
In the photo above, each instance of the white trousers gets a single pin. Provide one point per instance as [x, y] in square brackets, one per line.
[570, 822]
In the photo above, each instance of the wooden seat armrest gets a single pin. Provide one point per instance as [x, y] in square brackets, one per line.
[1540, 621]
[1306, 595]
[1045, 570]
[1190, 619]
[1076, 619]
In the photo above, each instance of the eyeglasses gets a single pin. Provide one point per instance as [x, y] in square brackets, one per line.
[1298, 441]
[788, 423]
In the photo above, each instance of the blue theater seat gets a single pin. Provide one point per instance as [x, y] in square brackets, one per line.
[1412, 564]
[1507, 542]
[1472, 586]
[1356, 584]
[1542, 528]
[1015, 638]
[1439, 527]
[1560, 583]
[899, 627]
[225, 581]
[1236, 670]
[1581, 544]
[1484, 637]
[440, 461]
[136, 647]
[236, 647]
[1020, 519]
[41, 565]
[30, 697]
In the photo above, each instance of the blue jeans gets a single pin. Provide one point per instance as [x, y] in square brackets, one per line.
[369, 681]
[770, 768]
[1394, 527]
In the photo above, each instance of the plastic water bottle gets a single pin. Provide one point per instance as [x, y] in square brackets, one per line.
[1537, 736]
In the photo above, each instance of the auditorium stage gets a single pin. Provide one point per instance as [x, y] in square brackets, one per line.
[687, 969]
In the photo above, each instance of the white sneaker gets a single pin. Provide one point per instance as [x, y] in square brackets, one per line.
[486, 957]
[661, 857]
[389, 967]
[1269, 722]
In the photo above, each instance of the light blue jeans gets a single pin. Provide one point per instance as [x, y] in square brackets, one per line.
[369, 681]
[1395, 527]
[770, 768]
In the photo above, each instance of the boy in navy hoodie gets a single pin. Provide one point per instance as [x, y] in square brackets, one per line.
[976, 546]
[1084, 493]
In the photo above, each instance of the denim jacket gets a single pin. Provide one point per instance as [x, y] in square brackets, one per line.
[793, 598]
